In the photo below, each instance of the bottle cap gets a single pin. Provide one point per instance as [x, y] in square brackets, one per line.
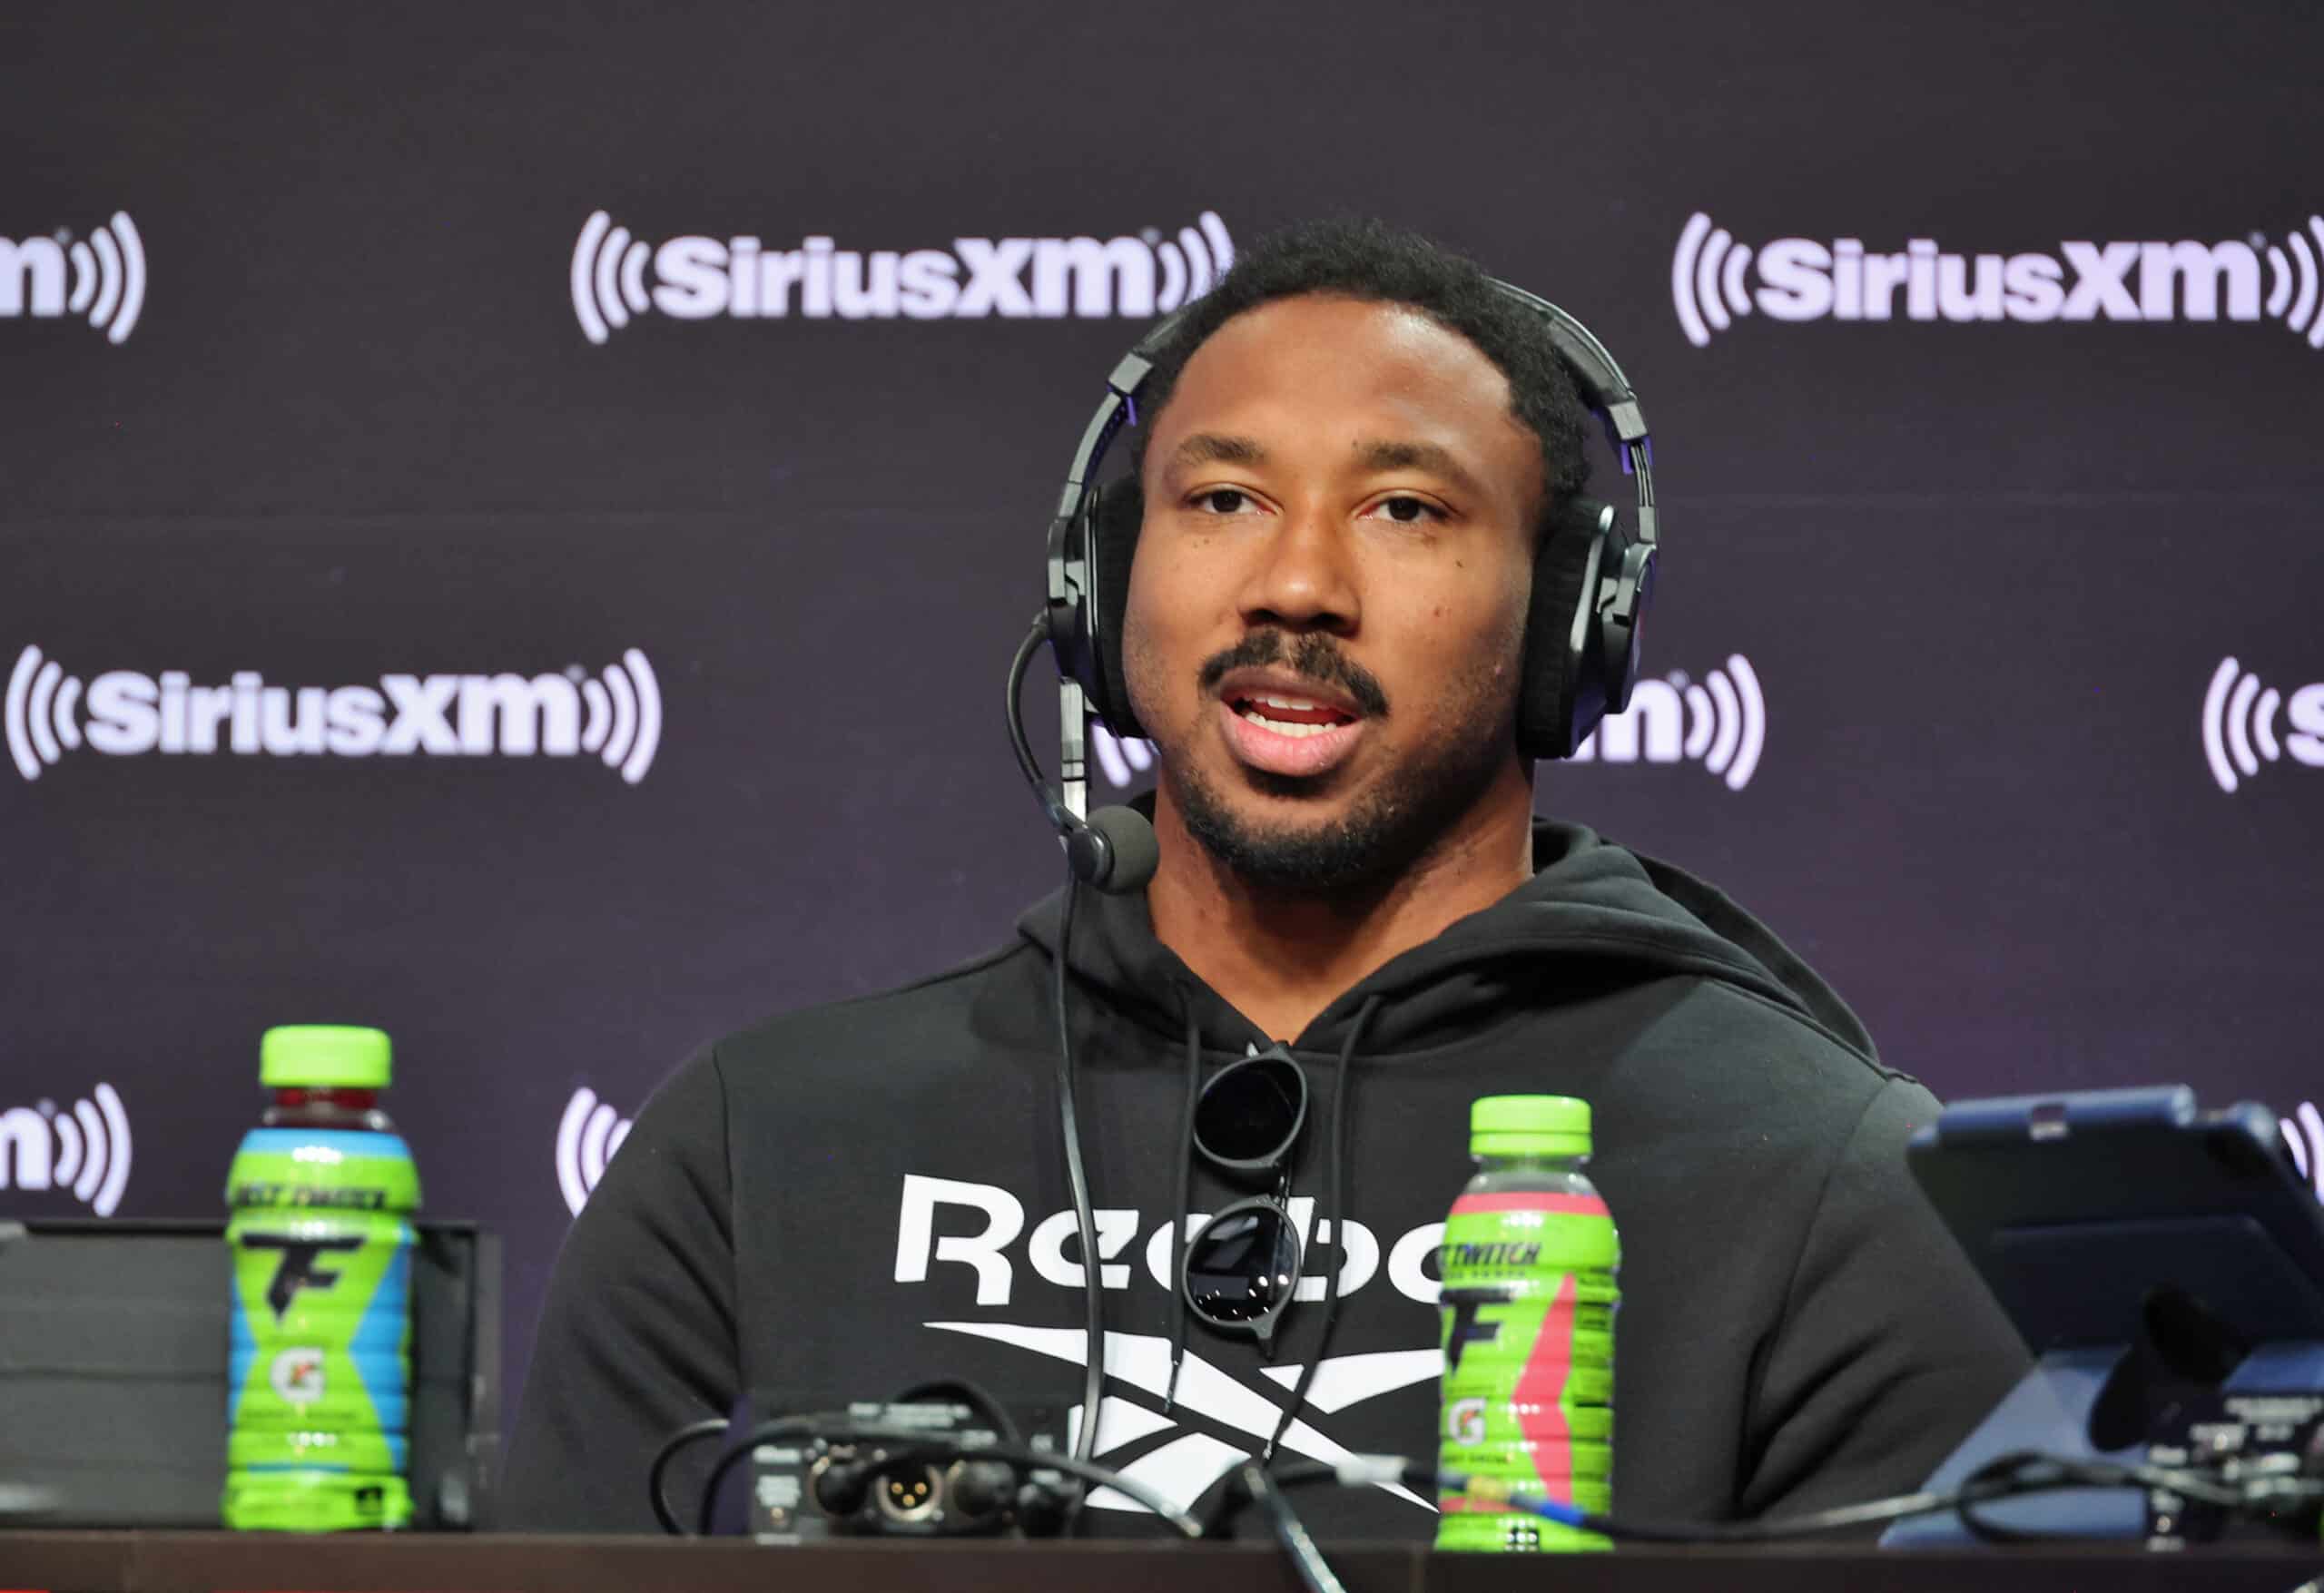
[1529, 1125]
[323, 1055]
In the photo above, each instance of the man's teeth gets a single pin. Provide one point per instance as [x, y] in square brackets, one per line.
[1285, 726]
[1253, 708]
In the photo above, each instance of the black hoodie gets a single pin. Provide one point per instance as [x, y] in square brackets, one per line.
[841, 1202]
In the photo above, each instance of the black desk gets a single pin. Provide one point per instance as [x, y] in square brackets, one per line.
[219, 1562]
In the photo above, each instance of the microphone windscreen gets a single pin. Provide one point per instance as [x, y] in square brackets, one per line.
[1134, 851]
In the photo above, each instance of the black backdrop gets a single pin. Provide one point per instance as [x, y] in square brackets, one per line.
[1965, 585]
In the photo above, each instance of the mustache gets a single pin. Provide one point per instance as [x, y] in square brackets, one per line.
[1314, 655]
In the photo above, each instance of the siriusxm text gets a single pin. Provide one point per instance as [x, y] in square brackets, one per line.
[701, 276]
[131, 713]
[1804, 279]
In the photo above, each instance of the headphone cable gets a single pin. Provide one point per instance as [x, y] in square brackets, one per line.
[1068, 1121]
[1093, 1379]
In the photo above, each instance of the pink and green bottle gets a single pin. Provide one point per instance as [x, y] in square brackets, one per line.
[1528, 1265]
[319, 1375]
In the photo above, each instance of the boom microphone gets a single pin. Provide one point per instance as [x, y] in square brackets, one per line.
[1121, 849]
[1114, 849]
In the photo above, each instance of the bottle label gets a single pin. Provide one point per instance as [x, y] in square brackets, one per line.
[318, 1368]
[1528, 1309]
[321, 1322]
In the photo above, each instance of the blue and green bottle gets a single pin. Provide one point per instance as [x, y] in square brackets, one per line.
[1529, 1296]
[320, 1200]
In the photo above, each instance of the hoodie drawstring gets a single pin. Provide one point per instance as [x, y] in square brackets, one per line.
[1336, 1258]
[1178, 1213]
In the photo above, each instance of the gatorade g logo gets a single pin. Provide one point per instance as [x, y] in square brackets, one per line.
[1464, 1422]
[297, 1270]
[1463, 1326]
[297, 1376]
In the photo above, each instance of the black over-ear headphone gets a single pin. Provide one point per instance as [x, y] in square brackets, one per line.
[1593, 577]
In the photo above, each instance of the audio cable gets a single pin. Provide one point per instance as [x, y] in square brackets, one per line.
[907, 1446]
[2265, 1486]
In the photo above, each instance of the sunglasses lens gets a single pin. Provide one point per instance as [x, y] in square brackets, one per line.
[1252, 1111]
[1243, 1264]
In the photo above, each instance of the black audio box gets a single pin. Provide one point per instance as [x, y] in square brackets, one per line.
[113, 1372]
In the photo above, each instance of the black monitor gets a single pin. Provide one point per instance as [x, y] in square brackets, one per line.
[2075, 1208]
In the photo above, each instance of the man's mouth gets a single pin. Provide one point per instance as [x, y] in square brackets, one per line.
[1279, 728]
[1291, 716]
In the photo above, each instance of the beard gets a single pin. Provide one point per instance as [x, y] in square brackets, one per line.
[1390, 826]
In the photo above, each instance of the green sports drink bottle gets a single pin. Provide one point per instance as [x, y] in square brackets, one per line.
[1528, 1297]
[321, 1199]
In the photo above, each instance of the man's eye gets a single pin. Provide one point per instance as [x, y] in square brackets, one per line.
[1223, 500]
[1409, 511]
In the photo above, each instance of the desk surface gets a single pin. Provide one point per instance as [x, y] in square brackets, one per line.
[222, 1562]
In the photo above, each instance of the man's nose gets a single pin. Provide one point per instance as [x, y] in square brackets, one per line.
[1304, 576]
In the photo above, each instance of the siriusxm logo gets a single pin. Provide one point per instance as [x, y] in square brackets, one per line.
[106, 272]
[2239, 724]
[1714, 280]
[125, 713]
[586, 1137]
[84, 1149]
[698, 277]
[1719, 721]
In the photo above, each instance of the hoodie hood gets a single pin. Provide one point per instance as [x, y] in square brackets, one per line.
[1595, 917]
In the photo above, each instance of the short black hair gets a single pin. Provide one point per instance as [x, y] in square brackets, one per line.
[1364, 257]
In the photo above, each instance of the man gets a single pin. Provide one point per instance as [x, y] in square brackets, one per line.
[1347, 462]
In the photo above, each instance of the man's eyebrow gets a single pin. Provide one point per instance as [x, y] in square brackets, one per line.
[1209, 448]
[1382, 454]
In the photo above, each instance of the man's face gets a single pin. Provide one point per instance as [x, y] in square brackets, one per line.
[1328, 600]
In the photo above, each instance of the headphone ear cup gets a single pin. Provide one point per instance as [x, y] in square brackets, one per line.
[1563, 693]
[1117, 511]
